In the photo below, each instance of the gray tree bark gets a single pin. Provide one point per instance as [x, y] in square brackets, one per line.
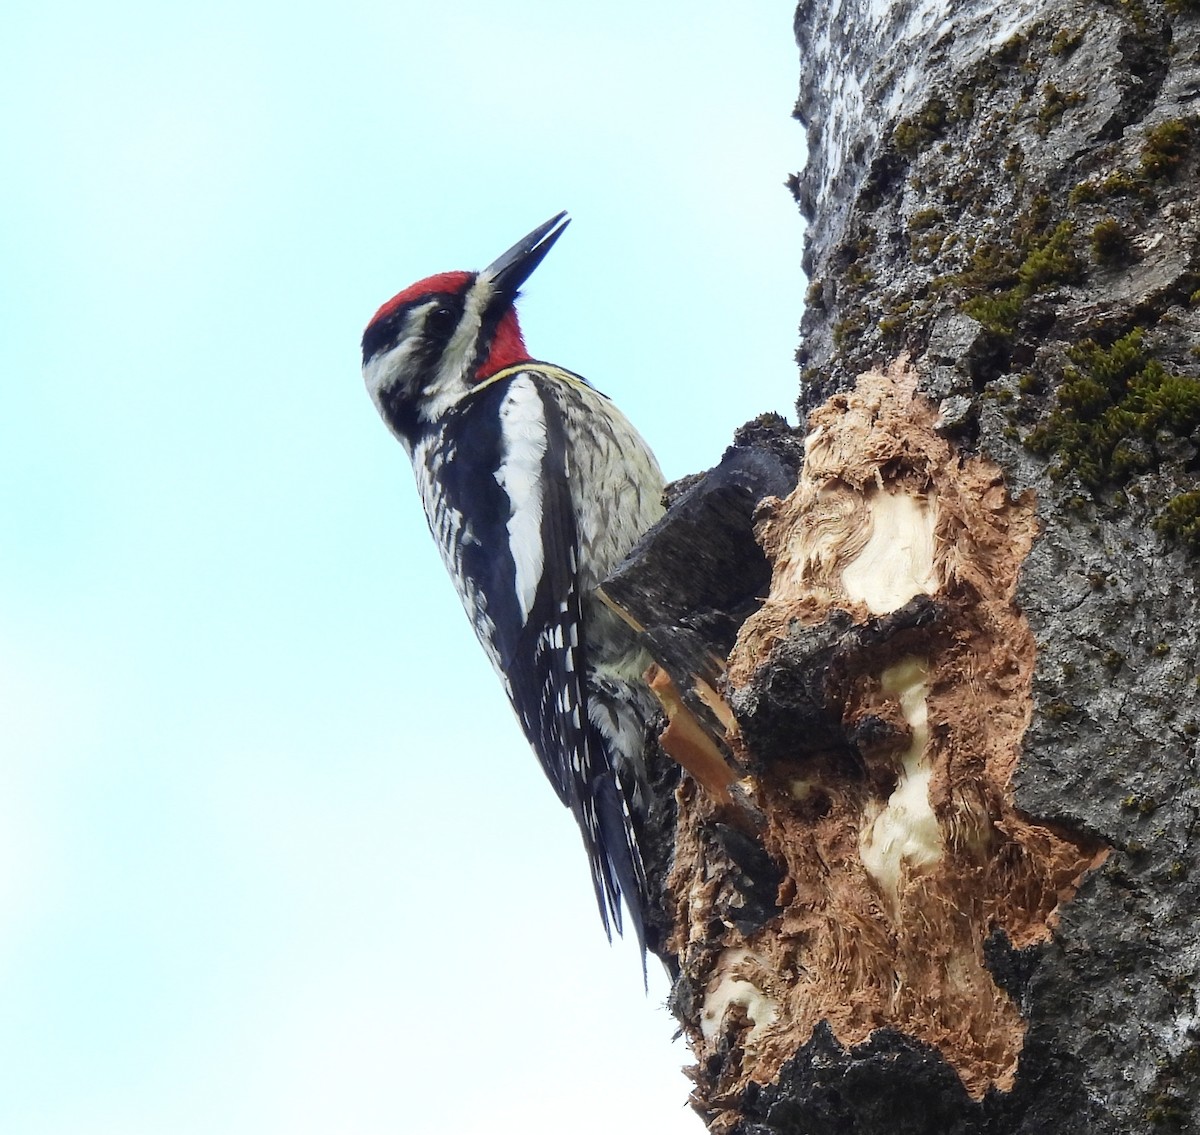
[933, 675]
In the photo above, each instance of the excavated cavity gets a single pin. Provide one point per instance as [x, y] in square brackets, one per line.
[896, 562]
[902, 835]
[901, 848]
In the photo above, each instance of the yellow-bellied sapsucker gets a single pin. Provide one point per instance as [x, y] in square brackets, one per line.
[535, 487]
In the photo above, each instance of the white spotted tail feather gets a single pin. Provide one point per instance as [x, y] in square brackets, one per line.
[535, 487]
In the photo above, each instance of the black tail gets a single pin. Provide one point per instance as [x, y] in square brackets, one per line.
[616, 861]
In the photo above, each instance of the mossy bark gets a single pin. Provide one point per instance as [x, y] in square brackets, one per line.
[953, 885]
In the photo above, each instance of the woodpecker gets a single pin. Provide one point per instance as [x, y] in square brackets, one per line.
[535, 487]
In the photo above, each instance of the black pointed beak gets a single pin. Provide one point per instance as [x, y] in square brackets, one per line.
[510, 270]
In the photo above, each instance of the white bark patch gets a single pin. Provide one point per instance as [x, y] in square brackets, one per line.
[896, 562]
[523, 426]
[730, 988]
[868, 63]
[905, 832]
[801, 789]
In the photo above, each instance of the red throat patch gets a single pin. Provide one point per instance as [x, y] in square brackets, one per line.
[508, 347]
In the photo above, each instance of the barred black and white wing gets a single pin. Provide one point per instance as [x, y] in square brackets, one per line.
[501, 505]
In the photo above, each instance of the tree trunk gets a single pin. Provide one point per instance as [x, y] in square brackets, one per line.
[931, 868]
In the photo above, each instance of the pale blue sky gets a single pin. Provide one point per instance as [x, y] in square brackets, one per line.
[274, 857]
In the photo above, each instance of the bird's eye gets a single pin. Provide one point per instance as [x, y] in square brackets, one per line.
[441, 322]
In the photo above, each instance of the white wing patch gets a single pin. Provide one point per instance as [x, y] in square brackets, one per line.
[523, 427]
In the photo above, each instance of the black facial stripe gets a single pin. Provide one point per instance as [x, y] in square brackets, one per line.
[400, 412]
[382, 334]
[487, 329]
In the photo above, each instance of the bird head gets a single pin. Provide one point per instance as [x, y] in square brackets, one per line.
[429, 346]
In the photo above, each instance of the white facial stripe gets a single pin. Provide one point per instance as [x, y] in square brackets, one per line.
[387, 368]
[386, 364]
[477, 299]
[453, 381]
[523, 427]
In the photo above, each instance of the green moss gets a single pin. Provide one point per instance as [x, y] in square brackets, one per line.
[896, 319]
[1182, 7]
[1169, 1102]
[1120, 183]
[860, 276]
[997, 313]
[1055, 104]
[1110, 397]
[1065, 41]
[1052, 260]
[927, 247]
[1011, 49]
[1110, 243]
[1165, 147]
[1031, 224]
[1161, 649]
[924, 219]
[963, 191]
[1180, 520]
[1141, 803]
[914, 134]
[1113, 660]
[990, 266]
[847, 329]
[1136, 10]
[1084, 192]
[1049, 260]
[1112, 403]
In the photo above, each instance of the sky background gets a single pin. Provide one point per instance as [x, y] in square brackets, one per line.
[274, 856]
